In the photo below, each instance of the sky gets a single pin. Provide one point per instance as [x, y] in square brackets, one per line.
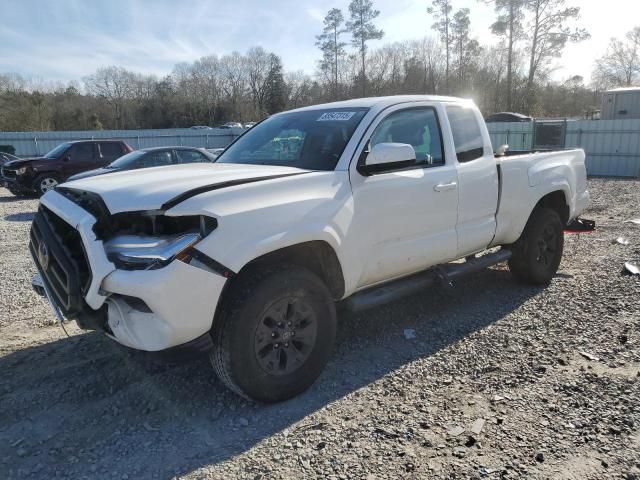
[63, 40]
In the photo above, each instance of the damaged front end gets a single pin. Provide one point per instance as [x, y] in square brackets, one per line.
[134, 275]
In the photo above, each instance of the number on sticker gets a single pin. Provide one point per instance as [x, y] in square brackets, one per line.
[333, 116]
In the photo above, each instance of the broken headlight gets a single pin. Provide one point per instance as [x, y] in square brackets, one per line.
[149, 239]
[142, 252]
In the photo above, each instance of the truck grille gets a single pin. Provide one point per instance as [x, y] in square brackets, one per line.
[7, 173]
[56, 248]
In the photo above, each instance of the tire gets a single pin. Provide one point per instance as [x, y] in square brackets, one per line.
[256, 351]
[44, 183]
[537, 253]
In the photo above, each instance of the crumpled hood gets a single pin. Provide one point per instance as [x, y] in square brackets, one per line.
[163, 187]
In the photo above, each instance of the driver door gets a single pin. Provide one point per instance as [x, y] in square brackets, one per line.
[405, 220]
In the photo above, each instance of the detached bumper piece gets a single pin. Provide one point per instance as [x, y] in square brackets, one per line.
[580, 225]
[41, 289]
[57, 251]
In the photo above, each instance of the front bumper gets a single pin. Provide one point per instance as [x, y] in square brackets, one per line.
[14, 184]
[143, 309]
[181, 301]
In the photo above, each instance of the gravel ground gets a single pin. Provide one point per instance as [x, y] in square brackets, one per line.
[501, 381]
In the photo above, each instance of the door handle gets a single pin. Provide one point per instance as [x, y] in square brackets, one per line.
[443, 187]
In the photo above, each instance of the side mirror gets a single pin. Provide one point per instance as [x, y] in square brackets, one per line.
[502, 150]
[388, 156]
[66, 158]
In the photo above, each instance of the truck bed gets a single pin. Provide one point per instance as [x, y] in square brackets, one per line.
[527, 177]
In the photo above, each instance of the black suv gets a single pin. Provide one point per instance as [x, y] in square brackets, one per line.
[38, 175]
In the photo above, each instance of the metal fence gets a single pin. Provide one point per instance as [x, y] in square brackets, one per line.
[39, 143]
[612, 147]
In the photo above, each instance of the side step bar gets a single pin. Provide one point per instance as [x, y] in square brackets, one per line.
[376, 296]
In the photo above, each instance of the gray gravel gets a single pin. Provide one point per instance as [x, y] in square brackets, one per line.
[497, 380]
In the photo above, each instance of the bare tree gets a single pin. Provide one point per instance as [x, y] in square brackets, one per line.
[620, 65]
[549, 36]
[234, 80]
[425, 55]
[257, 63]
[362, 30]
[206, 78]
[12, 83]
[115, 85]
[298, 87]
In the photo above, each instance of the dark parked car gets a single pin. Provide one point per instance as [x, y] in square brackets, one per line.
[41, 174]
[152, 157]
[507, 117]
[7, 157]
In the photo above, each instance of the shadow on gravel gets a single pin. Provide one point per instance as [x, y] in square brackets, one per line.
[12, 198]
[20, 217]
[83, 406]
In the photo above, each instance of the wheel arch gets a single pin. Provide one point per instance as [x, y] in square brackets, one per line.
[53, 173]
[513, 224]
[315, 255]
[557, 201]
[40, 174]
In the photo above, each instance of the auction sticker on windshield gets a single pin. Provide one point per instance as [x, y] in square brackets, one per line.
[331, 116]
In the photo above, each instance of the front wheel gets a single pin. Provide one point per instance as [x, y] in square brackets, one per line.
[44, 183]
[274, 333]
[537, 253]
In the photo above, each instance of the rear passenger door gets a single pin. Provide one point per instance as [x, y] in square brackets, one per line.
[109, 151]
[477, 178]
[79, 158]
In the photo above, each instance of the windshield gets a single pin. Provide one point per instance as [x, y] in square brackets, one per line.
[312, 139]
[55, 153]
[127, 160]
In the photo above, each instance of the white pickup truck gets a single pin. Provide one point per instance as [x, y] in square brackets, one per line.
[357, 202]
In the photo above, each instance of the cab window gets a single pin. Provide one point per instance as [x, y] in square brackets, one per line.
[190, 156]
[417, 127]
[467, 137]
[81, 152]
[110, 150]
[155, 159]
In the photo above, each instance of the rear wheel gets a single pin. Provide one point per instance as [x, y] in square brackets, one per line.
[44, 183]
[274, 333]
[537, 253]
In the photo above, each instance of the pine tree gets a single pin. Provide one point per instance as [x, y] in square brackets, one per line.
[331, 46]
[441, 11]
[362, 30]
[275, 95]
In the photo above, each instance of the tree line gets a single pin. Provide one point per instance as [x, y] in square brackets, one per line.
[513, 74]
